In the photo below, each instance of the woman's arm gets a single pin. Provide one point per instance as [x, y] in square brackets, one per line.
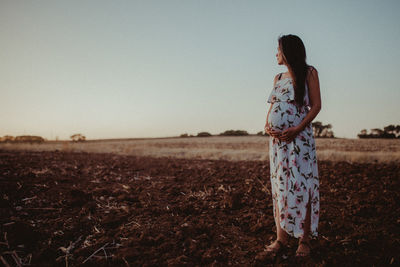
[315, 102]
[315, 99]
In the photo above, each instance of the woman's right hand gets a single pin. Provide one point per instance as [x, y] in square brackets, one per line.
[273, 133]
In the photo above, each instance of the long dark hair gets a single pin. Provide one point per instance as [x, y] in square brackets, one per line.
[294, 53]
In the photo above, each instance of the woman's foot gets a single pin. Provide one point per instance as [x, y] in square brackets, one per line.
[304, 249]
[276, 246]
[271, 251]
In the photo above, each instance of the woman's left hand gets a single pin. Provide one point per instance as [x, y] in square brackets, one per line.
[289, 134]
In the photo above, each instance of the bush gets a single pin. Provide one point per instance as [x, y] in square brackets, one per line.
[78, 137]
[390, 131]
[29, 139]
[184, 135]
[321, 130]
[203, 134]
[7, 139]
[234, 133]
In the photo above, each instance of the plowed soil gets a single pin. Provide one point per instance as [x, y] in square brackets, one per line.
[77, 209]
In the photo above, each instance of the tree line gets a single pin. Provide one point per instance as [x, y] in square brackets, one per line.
[319, 130]
[36, 139]
[390, 131]
[226, 133]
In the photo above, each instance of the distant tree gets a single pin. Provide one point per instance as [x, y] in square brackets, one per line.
[7, 138]
[317, 128]
[29, 139]
[377, 132]
[363, 134]
[326, 133]
[184, 135]
[234, 133]
[321, 130]
[260, 133]
[78, 137]
[203, 134]
[391, 131]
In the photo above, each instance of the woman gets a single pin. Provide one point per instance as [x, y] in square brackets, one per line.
[295, 101]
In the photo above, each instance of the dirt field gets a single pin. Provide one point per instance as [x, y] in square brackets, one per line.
[73, 209]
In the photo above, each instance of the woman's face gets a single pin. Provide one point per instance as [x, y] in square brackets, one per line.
[279, 57]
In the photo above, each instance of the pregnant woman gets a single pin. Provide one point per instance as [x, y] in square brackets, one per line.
[295, 101]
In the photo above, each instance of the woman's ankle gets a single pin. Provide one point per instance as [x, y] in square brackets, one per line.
[283, 240]
[284, 237]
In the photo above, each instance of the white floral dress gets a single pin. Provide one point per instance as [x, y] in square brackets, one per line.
[293, 166]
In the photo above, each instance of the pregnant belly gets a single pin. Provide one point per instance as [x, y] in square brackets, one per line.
[283, 116]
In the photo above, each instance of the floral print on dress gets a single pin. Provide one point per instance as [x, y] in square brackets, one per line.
[283, 91]
[293, 166]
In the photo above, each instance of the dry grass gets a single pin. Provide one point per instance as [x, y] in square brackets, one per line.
[228, 148]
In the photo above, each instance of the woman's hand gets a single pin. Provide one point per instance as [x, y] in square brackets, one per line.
[289, 134]
[273, 133]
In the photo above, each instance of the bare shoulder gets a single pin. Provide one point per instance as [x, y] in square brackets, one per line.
[276, 78]
[313, 85]
[312, 73]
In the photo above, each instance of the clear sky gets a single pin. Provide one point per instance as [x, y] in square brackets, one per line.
[121, 69]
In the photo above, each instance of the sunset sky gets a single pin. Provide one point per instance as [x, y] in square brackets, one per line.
[125, 69]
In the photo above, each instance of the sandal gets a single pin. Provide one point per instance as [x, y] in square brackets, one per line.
[304, 254]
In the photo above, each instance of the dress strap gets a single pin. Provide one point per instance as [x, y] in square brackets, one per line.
[280, 74]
